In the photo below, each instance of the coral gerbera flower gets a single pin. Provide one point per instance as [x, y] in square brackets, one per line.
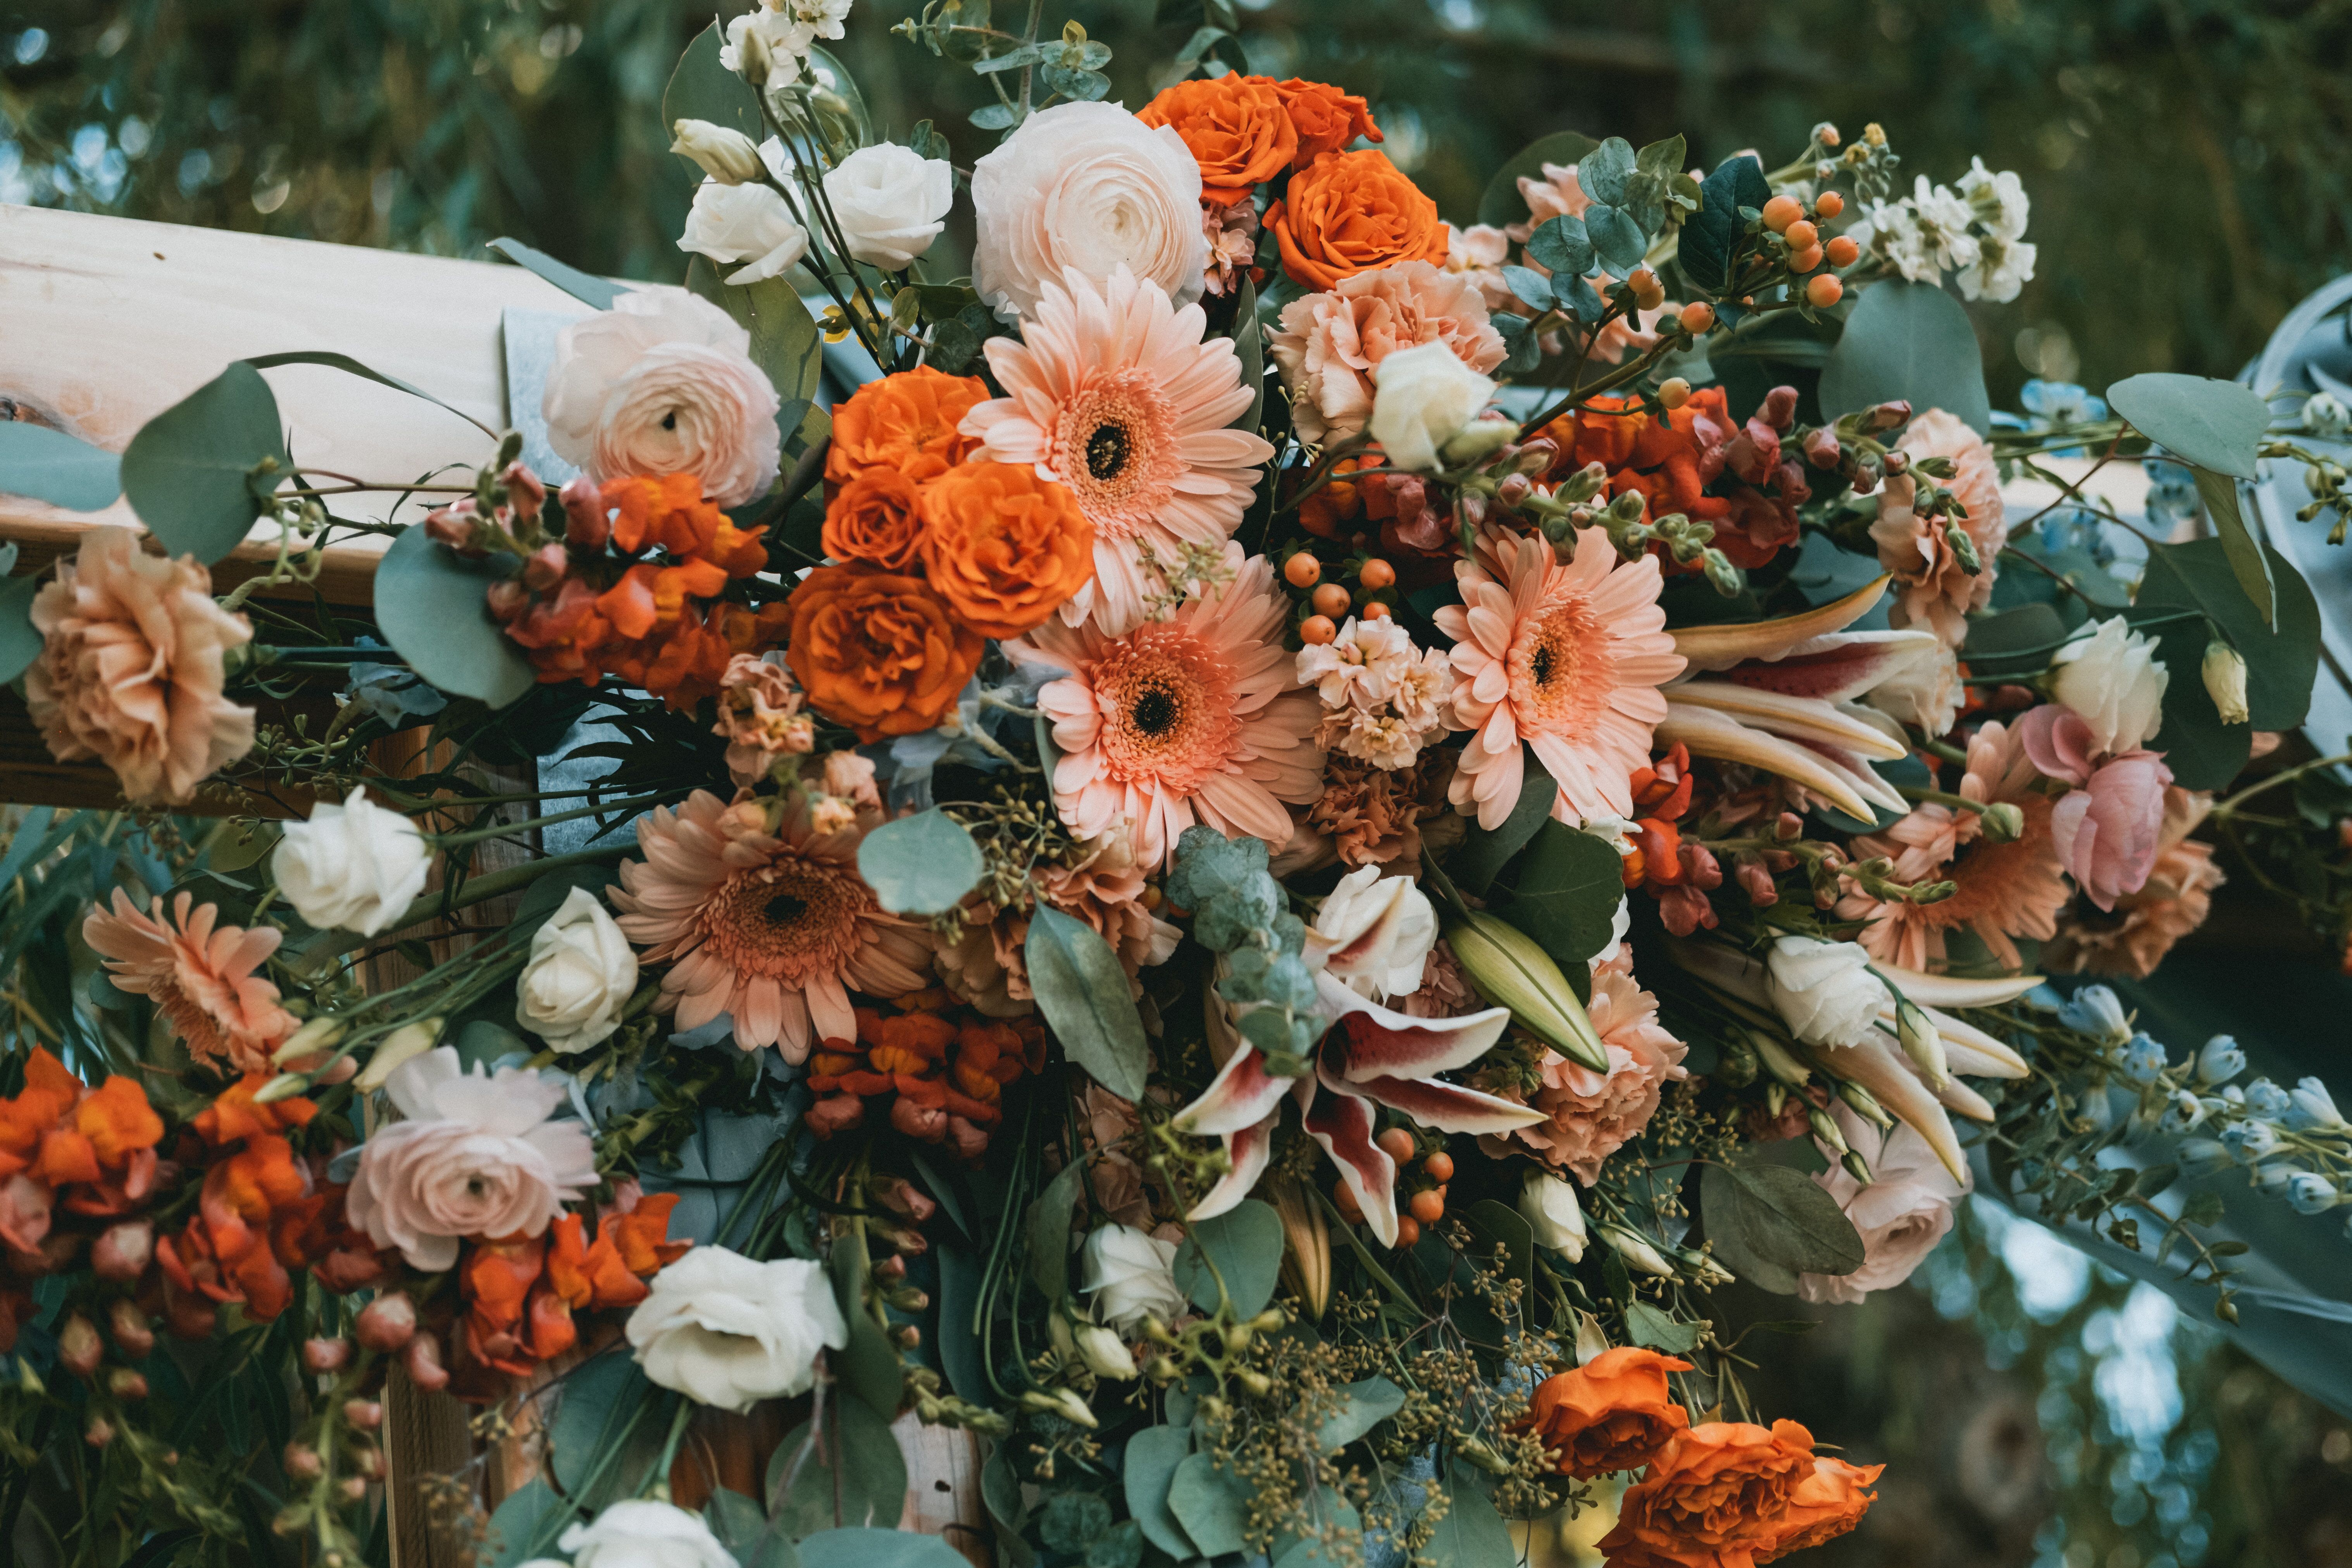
[199, 973]
[772, 929]
[1198, 718]
[1566, 656]
[1114, 395]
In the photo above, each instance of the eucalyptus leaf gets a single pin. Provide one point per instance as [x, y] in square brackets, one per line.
[1083, 990]
[1471, 1535]
[1485, 851]
[1211, 1504]
[920, 865]
[53, 467]
[1559, 246]
[1603, 173]
[858, 1460]
[1618, 242]
[1781, 1215]
[1148, 1473]
[1501, 202]
[786, 343]
[584, 286]
[2281, 664]
[430, 604]
[869, 1368]
[1912, 342]
[1249, 347]
[2216, 425]
[1244, 1244]
[879, 1548]
[20, 640]
[1369, 1404]
[198, 473]
[351, 366]
[2247, 562]
[995, 116]
[1569, 889]
[1652, 1328]
[1530, 286]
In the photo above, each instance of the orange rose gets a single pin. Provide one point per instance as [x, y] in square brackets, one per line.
[1003, 547]
[906, 422]
[877, 652]
[1351, 212]
[1716, 1495]
[1610, 1415]
[1326, 119]
[1237, 127]
[872, 518]
[1825, 1505]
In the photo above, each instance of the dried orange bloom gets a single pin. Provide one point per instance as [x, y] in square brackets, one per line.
[878, 653]
[1237, 128]
[1003, 547]
[908, 422]
[1349, 213]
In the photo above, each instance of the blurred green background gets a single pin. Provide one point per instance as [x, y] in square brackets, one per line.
[2190, 167]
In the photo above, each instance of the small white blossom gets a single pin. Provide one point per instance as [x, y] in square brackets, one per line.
[1998, 201]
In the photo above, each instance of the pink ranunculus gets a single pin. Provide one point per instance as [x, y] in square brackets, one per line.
[1901, 1215]
[2108, 832]
[2060, 744]
[1330, 343]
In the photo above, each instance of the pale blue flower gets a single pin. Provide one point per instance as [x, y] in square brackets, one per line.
[2095, 1011]
[2200, 1156]
[2252, 1140]
[2220, 1060]
[2143, 1060]
[2185, 1113]
[2312, 1194]
[2312, 1107]
[2264, 1098]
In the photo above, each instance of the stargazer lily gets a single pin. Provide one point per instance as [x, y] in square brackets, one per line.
[1369, 1056]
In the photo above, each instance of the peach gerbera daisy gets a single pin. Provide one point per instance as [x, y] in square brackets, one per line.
[199, 973]
[773, 930]
[1566, 656]
[1198, 718]
[1113, 393]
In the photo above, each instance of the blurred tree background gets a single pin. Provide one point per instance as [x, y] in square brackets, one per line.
[2191, 167]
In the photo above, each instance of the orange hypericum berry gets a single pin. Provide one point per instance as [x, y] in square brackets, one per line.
[1408, 1230]
[1332, 599]
[1375, 611]
[1801, 235]
[1640, 280]
[1396, 1143]
[1673, 392]
[1780, 212]
[1698, 318]
[1378, 574]
[1317, 629]
[1823, 291]
[1829, 203]
[1440, 1166]
[1429, 1205]
[1841, 252]
[1302, 569]
[1343, 1198]
[1805, 260]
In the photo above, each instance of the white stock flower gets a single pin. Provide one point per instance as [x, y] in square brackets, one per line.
[1384, 740]
[1891, 230]
[645, 1534]
[1360, 666]
[2109, 675]
[2001, 272]
[353, 866]
[1089, 187]
[1944, 218]
[1425, 396]
[1998, 201]
[746, 223]
[728, 1332]
[578, 978]
[1926, 693]
[891, 202]
[1131, 1274]
[1550, 1208]
[783, 40]
[1375, 933]
[1825, 990]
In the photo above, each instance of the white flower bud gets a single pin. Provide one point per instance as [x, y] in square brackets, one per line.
[2225, 681]
[726, 155]
[408, 1041]
[1425, 396]
[1548, 1205]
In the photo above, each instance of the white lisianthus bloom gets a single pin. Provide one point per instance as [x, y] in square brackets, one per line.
[1997, 200]
[747, 223]
[578, 978]
[2109, 674]
[645, 1534]
[728, 1332]
[1825, 991]
[891, 202]
[1926, 693]
[774, 38]
[1550, 1208]
[1131, 1275]
[353, 866]
[1375, 933]
[1425, 396]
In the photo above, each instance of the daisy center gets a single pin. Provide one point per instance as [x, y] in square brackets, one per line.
[785, 920]
[1115, 448]
[1561, 673]
[1168, 712]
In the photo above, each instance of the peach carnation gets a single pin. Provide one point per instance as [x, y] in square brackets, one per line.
[199, 973]
[1557, 194]
[1101, 883]
[760, 715]
[1330, 342]
[1592, 1115]
[1931, 588]
[133, 658]
[772, 929]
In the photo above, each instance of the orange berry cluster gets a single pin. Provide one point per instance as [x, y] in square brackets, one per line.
[1331, 601]
[1786, 216]
[1424, 1206]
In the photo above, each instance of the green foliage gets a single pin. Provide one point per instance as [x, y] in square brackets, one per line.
[1501, 202]
[53, 467]
[868, 1367]
[2215, 425]
[429, 603]
[1049, 1232]
[1770, 1222]
[1907, 341]
[586, 288]
[920, 865]
[1472, 1534]
[1245, 1247]
[1569, 889]
[20, 640]
[877, 1548]
[1211, 1503]
[1148, 1472]
[702, 89]
[1083, 992]
[1368, 1403]
[1484, 852]
[1711, 236]
[857, 1462]
[2281, 664]
[201, 472]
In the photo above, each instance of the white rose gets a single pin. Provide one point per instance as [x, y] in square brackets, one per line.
[728, 1332]
[1425, 397]
[578, 978]
[748, 223]
[1924, 693]
[1131, 1274]
[354, 866]
[890, 201]
[1374, 932]
[2109, 674]
[663, 383]
[1549, 1205]
[643, 1534]
[1825, 990]
[1089, 187]
[1901, 1215]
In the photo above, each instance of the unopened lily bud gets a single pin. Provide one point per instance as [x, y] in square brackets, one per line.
[132, 1334]
[1922, 1042]
[124, 1384]
[122, 1251]
[2003, 822]
[1865, 1104]
[1779, 1060]
[1104, 1353]
[2225, 681]
[1825, 1128]
[367, 1415]
[285, 1086]
[1739, 1064]
[1856, 1167]
[302, 1462]
[316, 1035]
[408, 1040]
[423, 1360]
[79, 1349]
[1062, 1402]
[326, 1355]
[387, 1323]
[726, 155]
[1638, 1254]
[1509, 968]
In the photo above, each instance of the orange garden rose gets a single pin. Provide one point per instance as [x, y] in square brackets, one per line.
[1350, 212]
[1003, 547]
[1238, 128]
[1727, 1495]
[1612, 1414]
[908, 422]
[1825, 1505]
[872, 518]
[1326, 119]
[876, 652]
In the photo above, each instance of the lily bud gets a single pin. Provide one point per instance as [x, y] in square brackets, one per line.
[1922, 1043]
[1856, 1167]
[408, 1040]
[317, 1034]
[2003, 822]
[386, 1324]
[1591, 1340]
[1104, 1353]
[726, 155]
[1826, 1129]
[1508, 968]
[1306, 1247]
[1549, 1205]
[1637, 1253]
[2225, 681]
[122, 1251]
[79, 1347]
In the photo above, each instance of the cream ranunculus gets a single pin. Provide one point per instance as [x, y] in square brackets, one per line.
[578, 978]
[1374, 932]
[746, 222]
[645, 1534]
[1425, 397]
[476, 1156]
[891, 202]
[1131, 1274]
[1901, 1215]
[2110, 675]
[1549, 1207]
[663, 383]
[728, 1332]
[1089, 187]
[1825, 990]
[353, 866]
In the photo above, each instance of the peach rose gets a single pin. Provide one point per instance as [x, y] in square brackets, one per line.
[133, 658]
[1931, 590]
[1003, 547]
[1716, 1495]
[1609, 1415]
[1351, 212]
[877, 652]
[2132, 939]
[1330, 342]
[1237, 128]
[1326, 119]
[872, 518]
[1900, 1217]
[908, 422]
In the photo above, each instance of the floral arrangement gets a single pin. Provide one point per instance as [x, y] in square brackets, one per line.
[1250, 875]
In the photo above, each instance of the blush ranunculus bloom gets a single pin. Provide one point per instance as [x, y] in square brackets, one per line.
[133, 650]
[876, 652]
[2132, 938]
[663, 384]
[1901, 1215]
[910, 423]
[1326, 119]
[1931, 588]
[1589, 1115]
[200, 974]
[1003, 547]
[1349, 213]
[1716, 1496]
[2108, 829]
[1237, 127]
[1329, 344]
[1609, 1415]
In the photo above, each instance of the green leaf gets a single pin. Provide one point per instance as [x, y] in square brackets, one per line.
[53, 467]
[1501, 202]
[2034, 628]
[1652, 1328]
[430, 604]
[741, 1526]
[584, 286]
[519, 1519]
[1561, 245]
[920, 865]
[786, 343]
[1603, 173]
[1483, 853]
[701, 89]
[20, 640]
[870, 1367]
[995, 116]
[2281, 664]
[1617, 240]
[603, 1405]
[1084, 85]
[883, 1548]
[1496, 1224]
[1569, 889]
[351, 366]
[1049, 1232]
[1245, 1245]
[1711, 235]
[859, 1459]
[2216, 425]
[1073, 1520]
[1529, 285]
[1211, 1504]
[1149, 1469]
[1369, 1404]
[1781, 1215]
[1249, 347]
[195, 473]
[1083, 992]
[960, 1356]
[2220, 493]
[1909, 340]
[1472, 1534]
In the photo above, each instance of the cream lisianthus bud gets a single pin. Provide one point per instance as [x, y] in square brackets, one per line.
[1922, 1042]
[1637, 1253]
[1825, 990]
[1426, 396]
[578, 978]
[726, 155]
[1104, 1353]
[1591, 1339]
[408, 1041]
[1549, 1205]
[1509, 970]
[2225, 681]
[285, 1086]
